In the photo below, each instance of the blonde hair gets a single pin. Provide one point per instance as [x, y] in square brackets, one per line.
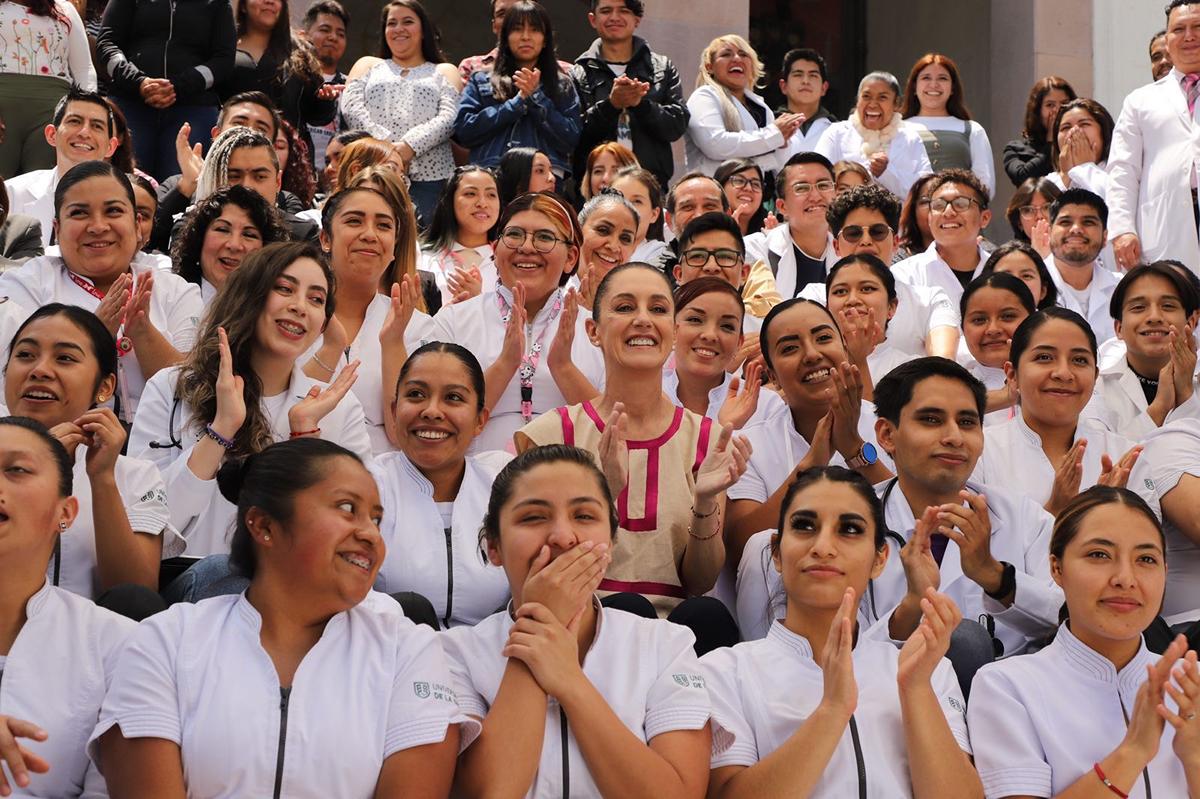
[729, 113]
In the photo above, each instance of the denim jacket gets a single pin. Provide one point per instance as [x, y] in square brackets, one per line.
[491, 128]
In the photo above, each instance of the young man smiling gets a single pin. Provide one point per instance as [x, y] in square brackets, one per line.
[981, 546]
[82, 130]
[804, 81]
[325, 24]
[1078, 220]
[626, 92]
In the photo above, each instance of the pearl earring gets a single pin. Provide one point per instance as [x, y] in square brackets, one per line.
[62, 527]
[267, 537]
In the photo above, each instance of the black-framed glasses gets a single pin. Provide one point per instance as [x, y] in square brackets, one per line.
[698, 257]
[543, 240]
[739, 182]
[853, 233]
[823, 186]
[1031, 211]
[961, 203]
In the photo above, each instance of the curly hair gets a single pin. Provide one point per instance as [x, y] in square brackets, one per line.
[237, 309]
[185, 251]
[298, 176]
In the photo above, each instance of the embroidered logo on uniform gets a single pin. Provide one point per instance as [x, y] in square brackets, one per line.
[1149, 484]
[421, 689]
[954, 703]
[688, 680]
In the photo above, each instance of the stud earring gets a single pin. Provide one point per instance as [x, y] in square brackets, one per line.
[267, 537]
[62, 527]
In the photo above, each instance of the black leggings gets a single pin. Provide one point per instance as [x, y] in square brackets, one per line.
[706, 616]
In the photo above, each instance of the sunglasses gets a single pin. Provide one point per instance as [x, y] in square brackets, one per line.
[854, 233]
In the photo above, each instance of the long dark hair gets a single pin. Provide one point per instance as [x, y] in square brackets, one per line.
[48, 8]
[443, 224]
[298, 176]
[431, 38]
[1097, 112]
[1034, 131]
[526, 12]
[279, 46]
[104, 346]
[1023, 248]
[914, 239]
[186, 250]
[955, 106]
[513, 173]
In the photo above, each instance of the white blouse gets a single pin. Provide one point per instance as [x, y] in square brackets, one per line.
[46, 46]
[907, 158]
[919, 311]
[442, 264]
[175, 309]
[477, 325]
[763, 691]
[645, 669]
[197, 675]
[444, 563]
[145, 498]
[416, 106]
[55, 676]
[163, 434]
[708, 143]
[1030, 736]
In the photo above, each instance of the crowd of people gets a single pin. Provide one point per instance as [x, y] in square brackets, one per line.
[425, 429]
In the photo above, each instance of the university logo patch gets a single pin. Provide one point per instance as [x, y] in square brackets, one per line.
[681, 679]
[421, 689]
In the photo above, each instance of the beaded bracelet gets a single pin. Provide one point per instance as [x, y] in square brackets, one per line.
[217, 437]
[716, 527]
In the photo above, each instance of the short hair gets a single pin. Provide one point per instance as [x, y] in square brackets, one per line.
[693, 290]
[331, 7]
[63, 462]
[1097, 112]
[1183, 287]
[895, 389]
[773, 314]
[707, 223]
[871, 196]
[1077, 196]
[961, 177]
[254, 98]
[1174, 4]
[885, 77]
[689, 177]
[871, 262]
[1160, 34]
[803, 54]
[636, 6]
[1030, 324]
[78, 95]
[800, 159]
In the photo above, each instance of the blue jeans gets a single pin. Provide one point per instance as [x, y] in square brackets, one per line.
[154, 130]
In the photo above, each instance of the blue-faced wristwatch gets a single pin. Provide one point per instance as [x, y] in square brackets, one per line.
[867, 455]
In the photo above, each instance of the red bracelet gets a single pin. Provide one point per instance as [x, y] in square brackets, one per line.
[316, 431]
[1100, 773]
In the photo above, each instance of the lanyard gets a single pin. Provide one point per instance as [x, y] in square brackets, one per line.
[124, 344]
[529, 360]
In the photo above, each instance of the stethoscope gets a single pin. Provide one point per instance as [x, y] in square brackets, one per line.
[174, 442]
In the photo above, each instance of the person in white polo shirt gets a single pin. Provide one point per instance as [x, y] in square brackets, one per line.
[575, 699]
[1095, 713]
[308, 683]
[813, 709]
[1078, 220]
[958, 213]
[57, 649]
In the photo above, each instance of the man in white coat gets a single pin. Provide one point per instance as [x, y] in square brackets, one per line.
[1077, 235]
[1154, 155]
[82, 130]
[800, 252]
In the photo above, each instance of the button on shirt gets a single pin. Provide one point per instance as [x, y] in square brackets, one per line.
[645, 669]
[763, 691]
[198, 676]
[1028, 731]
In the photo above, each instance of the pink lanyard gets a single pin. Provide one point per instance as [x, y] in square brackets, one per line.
[529, 361]
[124, 344]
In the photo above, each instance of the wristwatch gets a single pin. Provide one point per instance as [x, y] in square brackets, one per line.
[1008, 582]
[867, 455]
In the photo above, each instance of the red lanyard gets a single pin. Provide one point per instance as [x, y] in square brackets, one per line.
[124, 343]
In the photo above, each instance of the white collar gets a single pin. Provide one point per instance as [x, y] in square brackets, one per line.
[795, 642]
[1091, 663]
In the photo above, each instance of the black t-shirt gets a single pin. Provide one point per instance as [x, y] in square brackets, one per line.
[759, 112]
[1149, 385]
[964, 278]
[808, 270]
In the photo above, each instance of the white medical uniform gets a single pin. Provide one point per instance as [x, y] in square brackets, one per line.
[441, 266]
[144, 496]
[197, 675]
[919, 311]
[777, 250]
[763, 691]
[928, 269]
[1099, 294]
[907, 158]
[645, 669]
[1120, 405]
[477, 325]
[163, 434]
[55, 676]
[1172, 451]
[175, 309]
[1020, 535]
[1039, 722]
[32, 193]
[769, 400]
[440, 561]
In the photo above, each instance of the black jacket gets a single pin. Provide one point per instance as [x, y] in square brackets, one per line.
[189, 42]
[659, 119]
[1023, 160]
[172, 203]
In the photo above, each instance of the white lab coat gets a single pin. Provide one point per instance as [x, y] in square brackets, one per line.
[776, 249]
[1120, 404]
[707, 143]
[907, 158]
[32, 193]
[928, 269]
[919, 311]
[444, 566]
[55, 675]
[1155, 150]
[1100, 292]
[163, 434]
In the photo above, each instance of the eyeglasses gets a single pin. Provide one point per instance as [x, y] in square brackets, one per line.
[543, 240]
[726, 259]
[960, 204]
[739, 182]
[1031, 211]
[853, 233]
[822, 186]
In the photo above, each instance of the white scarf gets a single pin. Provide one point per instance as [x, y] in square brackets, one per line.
[876, 141]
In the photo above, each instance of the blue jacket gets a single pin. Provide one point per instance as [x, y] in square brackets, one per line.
[491, 128]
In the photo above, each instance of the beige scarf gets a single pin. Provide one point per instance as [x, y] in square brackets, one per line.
[876, 141]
